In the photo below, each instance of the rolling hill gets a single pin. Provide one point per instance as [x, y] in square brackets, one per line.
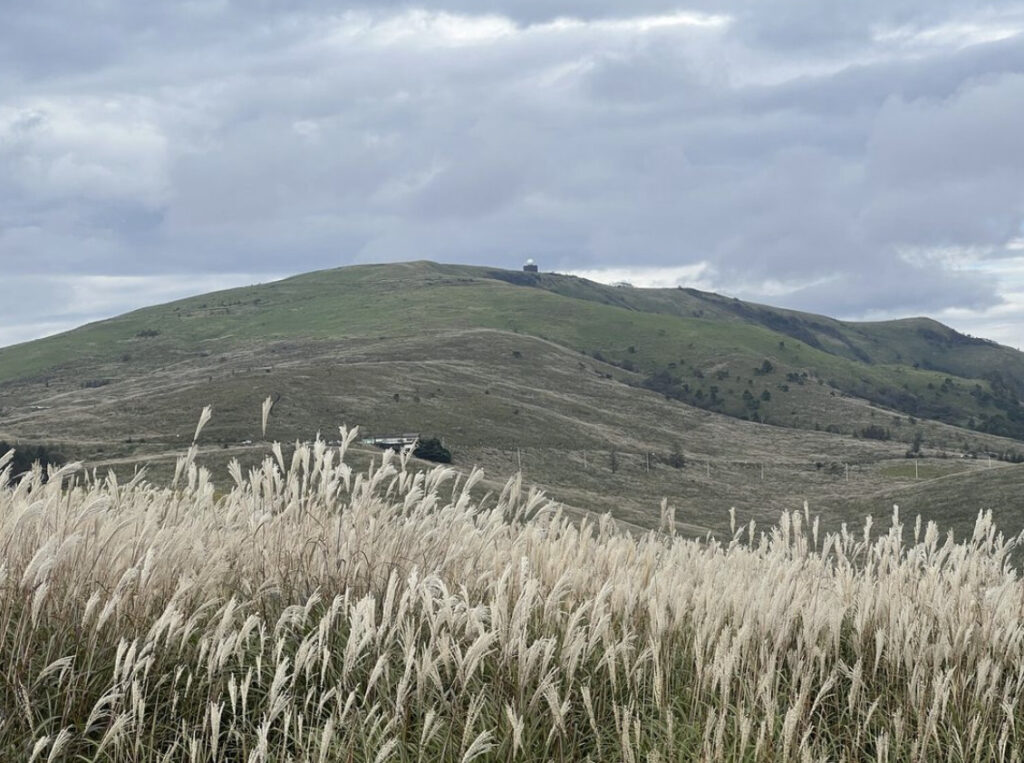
[608, 397]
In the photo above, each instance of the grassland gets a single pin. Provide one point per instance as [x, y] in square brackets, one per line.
[505, 371]
[703, 340]
[304, 611]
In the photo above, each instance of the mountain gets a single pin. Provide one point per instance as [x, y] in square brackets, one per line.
[609, 397]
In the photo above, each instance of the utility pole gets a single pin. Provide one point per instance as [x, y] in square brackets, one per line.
[915, 468]
[847, 472]
[762, 472]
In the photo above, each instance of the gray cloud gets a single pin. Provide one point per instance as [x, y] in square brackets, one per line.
[849, 158]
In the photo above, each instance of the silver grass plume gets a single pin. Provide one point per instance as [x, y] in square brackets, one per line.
[267, 405]
[204, 419]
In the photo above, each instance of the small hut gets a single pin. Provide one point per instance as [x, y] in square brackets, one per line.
[530, 267]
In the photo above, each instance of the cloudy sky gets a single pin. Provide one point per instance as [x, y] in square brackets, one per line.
[863, 159]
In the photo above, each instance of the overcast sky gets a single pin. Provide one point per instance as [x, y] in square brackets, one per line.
[863, 159]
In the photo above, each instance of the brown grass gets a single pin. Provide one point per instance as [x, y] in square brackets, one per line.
[315, 613]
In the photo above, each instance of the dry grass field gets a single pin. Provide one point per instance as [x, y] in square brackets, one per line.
[504, 401]
[301, 610]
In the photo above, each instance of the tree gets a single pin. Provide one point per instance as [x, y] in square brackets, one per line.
[431, 449]
[26, 455]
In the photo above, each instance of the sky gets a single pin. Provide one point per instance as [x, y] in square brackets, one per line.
[864, 160]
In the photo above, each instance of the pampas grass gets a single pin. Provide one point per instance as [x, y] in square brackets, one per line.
[316, 614]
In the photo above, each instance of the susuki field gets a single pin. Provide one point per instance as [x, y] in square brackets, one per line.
[304, 612]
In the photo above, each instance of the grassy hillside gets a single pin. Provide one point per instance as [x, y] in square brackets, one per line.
[744, 360]
[609, 397]
[943, 488]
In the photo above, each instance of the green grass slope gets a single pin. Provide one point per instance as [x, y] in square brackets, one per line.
[990, 374]
[743, 360]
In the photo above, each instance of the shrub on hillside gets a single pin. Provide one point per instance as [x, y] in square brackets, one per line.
[431, 449]
[874, 432]
[674, 458]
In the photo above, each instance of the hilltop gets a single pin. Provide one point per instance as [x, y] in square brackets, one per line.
[609, 397]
